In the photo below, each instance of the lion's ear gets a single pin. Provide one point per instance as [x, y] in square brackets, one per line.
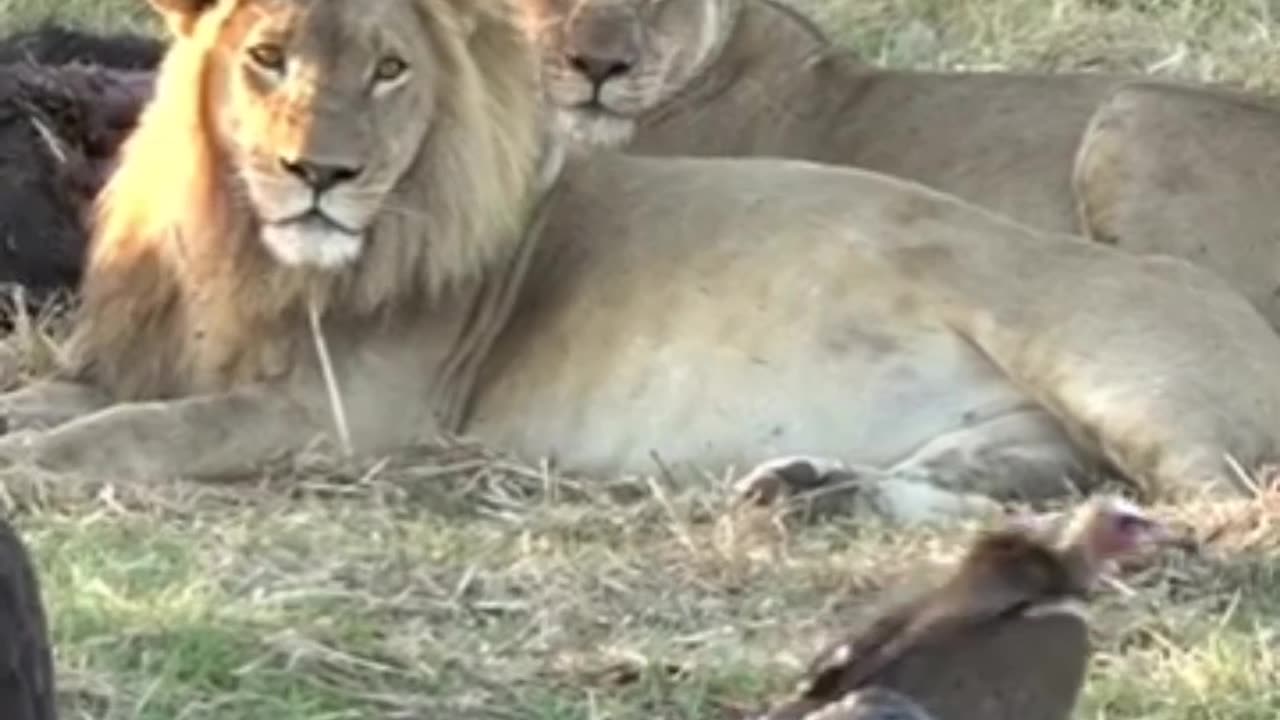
[181, 15]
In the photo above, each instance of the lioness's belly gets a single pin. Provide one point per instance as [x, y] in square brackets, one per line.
[608, 400]
[721, 333]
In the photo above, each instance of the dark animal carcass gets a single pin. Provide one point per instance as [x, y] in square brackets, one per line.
[68, 98]
[59, 130]
[54, 44]
[26, 660]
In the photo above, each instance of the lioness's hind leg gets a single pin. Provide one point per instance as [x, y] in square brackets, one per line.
[1149, 361]
[1023, 454]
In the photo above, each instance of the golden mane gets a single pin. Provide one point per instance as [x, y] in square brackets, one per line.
[179, 295]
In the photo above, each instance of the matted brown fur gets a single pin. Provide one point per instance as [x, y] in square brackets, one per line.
[176, 266]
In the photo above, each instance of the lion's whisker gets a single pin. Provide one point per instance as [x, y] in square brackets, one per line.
[407, 212]
[330, 377]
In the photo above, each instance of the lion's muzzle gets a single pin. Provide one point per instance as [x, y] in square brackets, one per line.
[320, 177]
[315, 220]
[602, 46]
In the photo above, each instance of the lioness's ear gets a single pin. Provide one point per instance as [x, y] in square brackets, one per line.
[181, 15]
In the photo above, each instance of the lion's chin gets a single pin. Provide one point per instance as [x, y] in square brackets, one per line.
[595, 128]
[312, 242]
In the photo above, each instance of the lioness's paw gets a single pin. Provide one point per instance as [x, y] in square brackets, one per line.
[820, 486]
[796, 478]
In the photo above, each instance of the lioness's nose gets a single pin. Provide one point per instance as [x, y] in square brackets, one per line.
[320, 176]
[599, 69]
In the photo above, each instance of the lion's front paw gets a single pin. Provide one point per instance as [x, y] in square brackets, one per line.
[17, 447]
[46, 451]
[10, 366]
[15, 423]
[15, 420]
[38, 468]
[20, 481]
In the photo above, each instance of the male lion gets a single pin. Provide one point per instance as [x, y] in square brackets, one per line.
[386, 165]
[1147, 166]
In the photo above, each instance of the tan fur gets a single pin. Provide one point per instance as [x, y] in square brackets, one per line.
[715, 312]
[1177, 170]
[185, 253]
[1189, 172]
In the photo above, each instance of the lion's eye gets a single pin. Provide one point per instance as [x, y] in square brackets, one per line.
[268, 56]
[389, 68]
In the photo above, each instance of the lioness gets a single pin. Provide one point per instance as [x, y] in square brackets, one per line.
[1147, 166]
[385, 168]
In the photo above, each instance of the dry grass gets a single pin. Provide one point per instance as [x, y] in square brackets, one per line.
[455, 585]
[452, 584]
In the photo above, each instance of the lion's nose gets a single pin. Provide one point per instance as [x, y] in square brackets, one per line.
[599, 69]
[320, 176]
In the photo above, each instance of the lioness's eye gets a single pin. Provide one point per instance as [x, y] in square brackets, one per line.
[389, 68]
[268, 56]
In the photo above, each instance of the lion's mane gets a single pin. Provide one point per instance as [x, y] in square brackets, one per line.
[180, 297]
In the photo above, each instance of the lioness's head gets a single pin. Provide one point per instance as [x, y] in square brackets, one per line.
[340, 124]
[607, 62]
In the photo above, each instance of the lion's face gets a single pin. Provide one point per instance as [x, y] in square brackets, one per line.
[607, 62]
[320, 107]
